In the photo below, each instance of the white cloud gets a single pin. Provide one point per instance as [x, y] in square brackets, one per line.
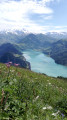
[13, 13]
[48, 17]
[16, 15]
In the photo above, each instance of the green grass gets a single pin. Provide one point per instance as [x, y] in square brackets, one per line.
[26, 95]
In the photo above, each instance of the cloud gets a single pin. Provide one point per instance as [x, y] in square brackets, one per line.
[48, 17]
[16, 14]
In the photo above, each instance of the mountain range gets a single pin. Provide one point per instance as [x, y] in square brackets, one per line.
[52, 43]
[57, 35]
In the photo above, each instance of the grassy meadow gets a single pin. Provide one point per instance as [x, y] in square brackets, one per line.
[26, 95]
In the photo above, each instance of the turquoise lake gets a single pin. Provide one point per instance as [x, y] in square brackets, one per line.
[41, 63]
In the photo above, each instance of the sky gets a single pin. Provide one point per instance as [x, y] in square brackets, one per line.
[38, 16]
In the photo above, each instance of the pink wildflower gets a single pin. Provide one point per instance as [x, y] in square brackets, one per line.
[10, 63]
[16, 64]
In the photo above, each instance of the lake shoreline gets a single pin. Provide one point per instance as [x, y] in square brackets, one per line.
[41, 63]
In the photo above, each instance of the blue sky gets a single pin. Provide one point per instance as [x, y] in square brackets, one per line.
[34, 15]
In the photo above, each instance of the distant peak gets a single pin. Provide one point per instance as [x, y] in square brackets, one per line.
[16, 31]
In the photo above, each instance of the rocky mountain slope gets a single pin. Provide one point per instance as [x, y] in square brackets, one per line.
[9, 52]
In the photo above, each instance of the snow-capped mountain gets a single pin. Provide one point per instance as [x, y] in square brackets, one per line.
[17, 32]
[12, 36]
[57, 35]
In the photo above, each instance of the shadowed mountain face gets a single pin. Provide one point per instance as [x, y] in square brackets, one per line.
[5, 58]
[59, 52]
[8, 47]
[9, 52]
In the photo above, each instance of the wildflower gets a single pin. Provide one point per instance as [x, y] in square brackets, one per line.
[56, 87]
[44, 108]
[10, 83]
[16, 64]
[12, 71]
[14, 80]
[35, 98]
[47, 107]
[55, 114]
[62, 114]
[10, 63]
[49, 83]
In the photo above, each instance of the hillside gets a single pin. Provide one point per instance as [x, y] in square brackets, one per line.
[59, 52]
[26, 95]
[36, 41]
[8, 47]
[46, 38]
[10, 52]
[30, 42]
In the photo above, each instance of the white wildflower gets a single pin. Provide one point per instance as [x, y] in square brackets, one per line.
[14, 80]
[49, 83]
[10, 83]
[44, 108]
[12, 70]
[47, 107]
[35, 98]
[55, 114]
